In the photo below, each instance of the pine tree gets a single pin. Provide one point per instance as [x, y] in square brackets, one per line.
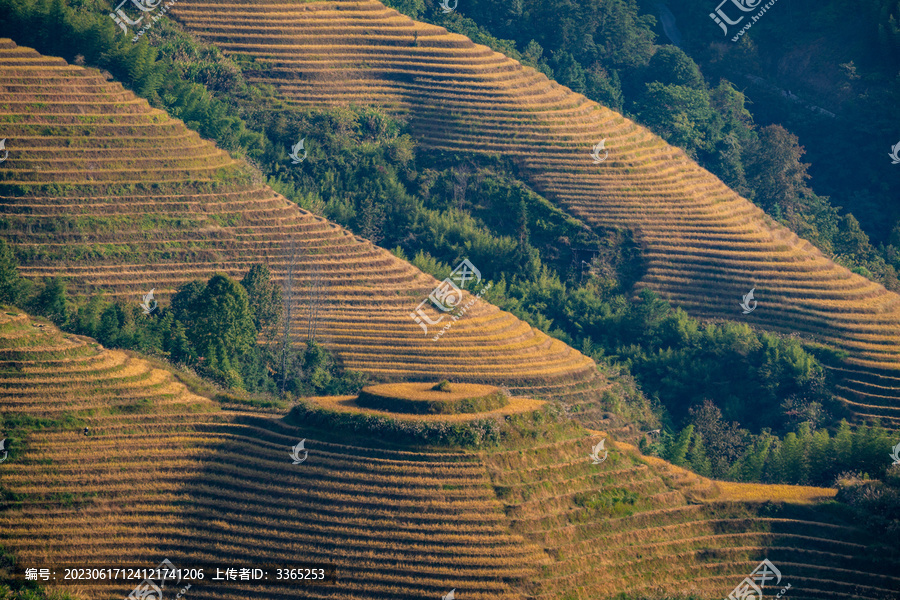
[224, 318]
[108, 329]
[522, 224]
[10, 282]
[676, 453]
[790, 462]
[753, 464]
[51, 302]
[697, 458]
[821, 459]
[264, 297]
[842, 447]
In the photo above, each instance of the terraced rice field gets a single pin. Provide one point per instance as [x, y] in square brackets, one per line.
[646, 527]
[103, 189]
[705, 246]
[183, 480]
[45, 373]
[187, 481]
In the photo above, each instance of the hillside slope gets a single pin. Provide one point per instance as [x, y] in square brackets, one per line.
[101, 188]
[193, 483]
[705, 246]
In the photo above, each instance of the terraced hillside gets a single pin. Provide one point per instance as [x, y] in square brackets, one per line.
[45, 374]
[101, 188]
[191, 483]
[653, 530]
[705, 246]
[201, 484]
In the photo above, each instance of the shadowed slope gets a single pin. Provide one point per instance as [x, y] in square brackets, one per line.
[191, 483]
[45, 373]
[705, 246]
[172, 476]
[101, 188]
[650, 529]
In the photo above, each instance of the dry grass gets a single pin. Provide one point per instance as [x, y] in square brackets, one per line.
[759, 492]
[348, 404]
[425, 391]
[692, 224]
[79, 133]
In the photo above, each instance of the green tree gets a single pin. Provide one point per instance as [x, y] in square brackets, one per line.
[185, 303]
[175, 340]
[568, 72]
[316, 367]
[51, 302]
[669, 65]
[774, 171]
[224, 321]
[676, 452]
[789, 461]
[724, 441]
[821, 459]
[680, 114]
[109, 326]
[604, 86]
[751, 466]
[697, 457]
[264, 297]
[11, 285]
[87, 318]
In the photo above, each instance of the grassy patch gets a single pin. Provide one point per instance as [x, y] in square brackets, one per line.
[610, 502]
